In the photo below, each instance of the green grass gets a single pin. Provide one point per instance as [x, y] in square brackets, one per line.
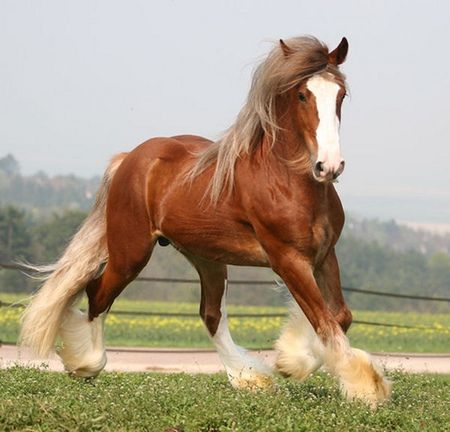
[157, 331]
[32, 400]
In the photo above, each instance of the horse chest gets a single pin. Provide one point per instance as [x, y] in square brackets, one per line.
[322, 239]
[321, 229]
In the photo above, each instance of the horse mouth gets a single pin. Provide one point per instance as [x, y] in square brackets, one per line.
[327, 178]
[322, 175]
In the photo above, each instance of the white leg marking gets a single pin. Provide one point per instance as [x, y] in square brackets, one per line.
[359, 377]
[83, 350]
[299, 349]
[301, 352]
[243, 370]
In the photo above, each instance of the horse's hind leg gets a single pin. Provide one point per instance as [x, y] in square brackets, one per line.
[129, 248]
[243, 370]
[83, 350]
[131, 239]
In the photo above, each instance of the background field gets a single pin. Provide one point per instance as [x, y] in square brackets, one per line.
[432, 336]
[42, 401]
[36, 222]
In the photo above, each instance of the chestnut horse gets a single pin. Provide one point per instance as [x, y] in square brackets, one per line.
[262, 195]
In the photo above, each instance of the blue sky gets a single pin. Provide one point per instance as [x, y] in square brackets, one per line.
[82, 80]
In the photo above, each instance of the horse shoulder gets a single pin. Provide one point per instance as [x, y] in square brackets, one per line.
[279, 209]
[295, 215]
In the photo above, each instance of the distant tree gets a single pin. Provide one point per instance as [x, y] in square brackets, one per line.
[15, 243]
[9, 165]
[439, 269]
[15, 238]
[51, 236]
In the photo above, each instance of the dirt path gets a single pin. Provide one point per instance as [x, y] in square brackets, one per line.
[207, 361]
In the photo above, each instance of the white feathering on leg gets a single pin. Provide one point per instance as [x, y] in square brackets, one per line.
[301, 352]
[359, 377]
[299, 349]
[83, 351]
[243, 370]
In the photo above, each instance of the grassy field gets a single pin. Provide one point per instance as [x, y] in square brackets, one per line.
[32, 400]
[158, 331]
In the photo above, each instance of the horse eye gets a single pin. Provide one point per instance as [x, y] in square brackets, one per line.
[302, 97]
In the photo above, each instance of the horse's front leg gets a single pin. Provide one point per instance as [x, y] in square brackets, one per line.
[358, 376]
[299, 349]
[329, 281]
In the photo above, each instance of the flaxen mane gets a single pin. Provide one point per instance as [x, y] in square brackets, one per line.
[279, 72]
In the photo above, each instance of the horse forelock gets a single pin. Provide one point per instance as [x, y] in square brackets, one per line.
[274, 76]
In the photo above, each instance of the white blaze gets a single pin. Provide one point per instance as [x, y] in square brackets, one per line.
[327, 133]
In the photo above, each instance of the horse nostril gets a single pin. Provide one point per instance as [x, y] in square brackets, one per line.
[318, 167]
[339, 171]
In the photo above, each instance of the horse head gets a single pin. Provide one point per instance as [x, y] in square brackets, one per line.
[314, 105]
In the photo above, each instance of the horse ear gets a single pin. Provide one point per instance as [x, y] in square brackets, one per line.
[286, 50]
[338, 55]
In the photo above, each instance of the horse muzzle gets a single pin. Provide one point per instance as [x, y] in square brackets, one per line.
[326, 172]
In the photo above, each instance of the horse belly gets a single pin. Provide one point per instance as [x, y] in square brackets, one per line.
[214, 239]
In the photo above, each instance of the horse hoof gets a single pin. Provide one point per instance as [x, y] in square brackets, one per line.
[84, 373]
[88, 367]
[252, 382]
[361, 379]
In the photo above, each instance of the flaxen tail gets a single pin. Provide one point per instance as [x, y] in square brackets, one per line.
[80, 263]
